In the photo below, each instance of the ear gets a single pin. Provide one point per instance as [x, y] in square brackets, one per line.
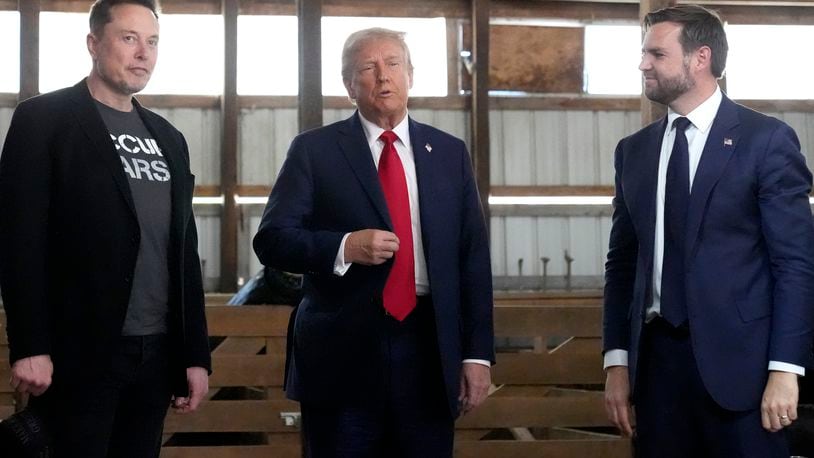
[349, 87]
[410, 79]
[92, 42]
[703, 58]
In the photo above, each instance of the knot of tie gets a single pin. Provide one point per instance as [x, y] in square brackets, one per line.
[680, 123]
[389, 137]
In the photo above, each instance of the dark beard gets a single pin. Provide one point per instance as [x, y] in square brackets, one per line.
[670, 89]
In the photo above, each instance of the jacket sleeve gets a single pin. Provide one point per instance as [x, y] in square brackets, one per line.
[286, 238]
[784, 184]
[196, 341]
[620, 268]
[25, 187]
[477, 301]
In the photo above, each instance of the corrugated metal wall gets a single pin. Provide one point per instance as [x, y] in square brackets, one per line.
[543, 147]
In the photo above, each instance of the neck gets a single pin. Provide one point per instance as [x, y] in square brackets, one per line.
[385, 122]
[691, 99]
[101, 92]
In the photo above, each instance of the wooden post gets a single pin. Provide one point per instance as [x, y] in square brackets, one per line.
[480, 100]
[230, 112]
[29, 48]
[309, 17]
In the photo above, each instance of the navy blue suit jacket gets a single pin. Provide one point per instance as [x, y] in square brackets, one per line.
[329, 186]
[750, 252]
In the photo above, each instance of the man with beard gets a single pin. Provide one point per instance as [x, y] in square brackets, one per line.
[709, 287]
[99, 267]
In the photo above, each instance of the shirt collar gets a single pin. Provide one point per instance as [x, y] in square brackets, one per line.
[703, 115]
[372, 131]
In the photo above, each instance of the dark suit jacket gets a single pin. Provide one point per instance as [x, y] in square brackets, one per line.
[69, 237]
[329, 186]
[749, 258]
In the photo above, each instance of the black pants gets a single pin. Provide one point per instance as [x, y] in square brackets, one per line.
[119, 415]
[412, 418]
[675, 415]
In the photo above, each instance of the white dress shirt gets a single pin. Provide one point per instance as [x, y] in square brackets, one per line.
[405, 151]
[701, 119]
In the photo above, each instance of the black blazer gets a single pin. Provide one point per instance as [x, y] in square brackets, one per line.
[69, 237]
[329, 186]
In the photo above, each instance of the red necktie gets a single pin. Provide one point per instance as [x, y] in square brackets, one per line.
[399, 290]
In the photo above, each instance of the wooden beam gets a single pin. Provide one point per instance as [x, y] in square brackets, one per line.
[180, 101]
[235, 451]
[8, 5]
[8, 100]
[230, 113]
[480, 100]
[535, 449]
[309, 19]
[524, 191]
[29, 48]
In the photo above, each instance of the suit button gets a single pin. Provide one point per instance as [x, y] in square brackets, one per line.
[134, 240]
[127, 279]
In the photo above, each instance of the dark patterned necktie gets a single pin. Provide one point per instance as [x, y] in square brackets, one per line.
[676, 201]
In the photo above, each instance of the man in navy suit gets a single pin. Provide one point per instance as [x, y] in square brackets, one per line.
[393, 338]
[710, 274]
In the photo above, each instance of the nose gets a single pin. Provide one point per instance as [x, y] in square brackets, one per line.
[644, 64]
[381, 73]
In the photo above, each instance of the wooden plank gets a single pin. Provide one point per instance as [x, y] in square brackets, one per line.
[234, 416]
[8, 99]
[522, 191]
[240, 346]
[5, 376]
[6, 411]
[606, 448]
[258, 370]
[513, 321]
[548, 369]
[248, 320]
[217, 298]
[234, 451]
[179, 101]
[507, 412]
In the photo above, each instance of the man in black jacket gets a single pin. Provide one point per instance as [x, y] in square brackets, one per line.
[99, 268]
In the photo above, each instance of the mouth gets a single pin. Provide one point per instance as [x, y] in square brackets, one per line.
[139, 71]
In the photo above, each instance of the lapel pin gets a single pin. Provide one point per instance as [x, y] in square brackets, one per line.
[428, 147]
[727, 142]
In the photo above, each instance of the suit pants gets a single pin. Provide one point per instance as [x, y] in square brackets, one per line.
[410, 419]
[676, 416]
[119, 415]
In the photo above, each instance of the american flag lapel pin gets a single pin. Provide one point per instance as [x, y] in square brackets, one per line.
[727, 142]
[428, 147]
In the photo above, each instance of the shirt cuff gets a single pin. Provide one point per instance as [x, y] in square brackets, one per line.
[340, 266]
[482, 362]
[615, 357]
[786, 367]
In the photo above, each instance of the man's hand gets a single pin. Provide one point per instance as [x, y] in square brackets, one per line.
[475, 382]
[617, 398]
[370, 247]
[32, 374]
[198, 382]
[779, 406]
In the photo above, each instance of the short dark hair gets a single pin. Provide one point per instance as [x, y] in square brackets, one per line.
[100, 12]
[699, 27]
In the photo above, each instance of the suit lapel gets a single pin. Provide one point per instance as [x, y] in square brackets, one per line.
[354, 146]
[650, 152]
[99, 137]
[721, 143]
[424, 171]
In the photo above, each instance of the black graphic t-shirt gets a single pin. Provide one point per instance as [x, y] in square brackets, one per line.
[149, 177]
